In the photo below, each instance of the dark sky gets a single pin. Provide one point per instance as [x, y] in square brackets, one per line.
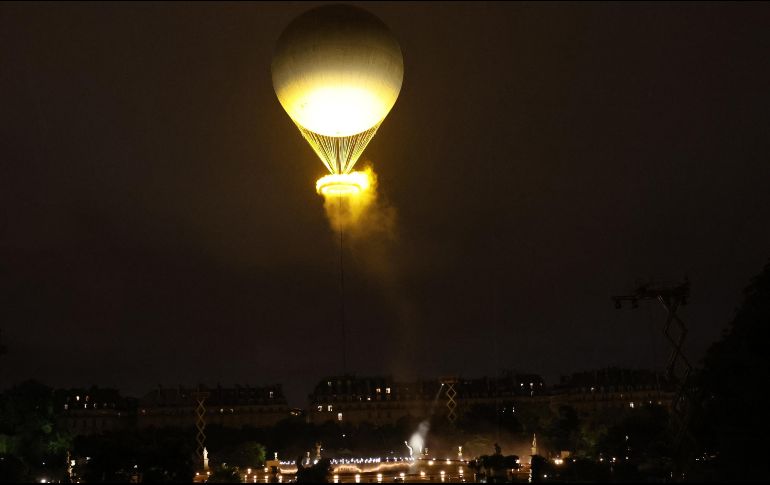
[159, 223]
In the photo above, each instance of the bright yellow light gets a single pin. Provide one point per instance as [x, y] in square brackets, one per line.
[336, 110]
[343, 184]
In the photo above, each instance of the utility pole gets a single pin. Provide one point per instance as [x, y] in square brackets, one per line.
[678, 367]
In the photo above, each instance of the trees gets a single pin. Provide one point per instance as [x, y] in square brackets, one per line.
[731, 425]
[225, 474]
[318, 473]
[160, 455]
[494, 468]
[562, 432]
[243, 455]
[28, 431]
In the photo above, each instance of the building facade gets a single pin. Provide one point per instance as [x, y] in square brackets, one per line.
[228, 407]
[613, 389]
[382, 400]
[94, 410]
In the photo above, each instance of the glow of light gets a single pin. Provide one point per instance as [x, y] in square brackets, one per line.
[343, 184]
[402, 475]
[422, 474]
[558, 461]
[336, 110]
[430, 462]
[336, 479]
[379, 478]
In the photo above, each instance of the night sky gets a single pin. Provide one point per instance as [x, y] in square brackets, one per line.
[159, 222]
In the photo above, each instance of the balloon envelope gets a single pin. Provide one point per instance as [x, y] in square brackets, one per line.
[337, 71]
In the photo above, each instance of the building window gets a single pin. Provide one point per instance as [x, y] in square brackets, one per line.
[320, 408]
[271, 394]
[378, 390]
[387, 390]
[339, 416]
[329, 408]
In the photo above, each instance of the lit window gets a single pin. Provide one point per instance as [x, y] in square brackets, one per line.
[320, 408]
[339, 416]
[387, 390]
[66, 407]
[271, 394]
[77, 398]
[329, 383]
[378, 390]
[329, 407]
[631, 405]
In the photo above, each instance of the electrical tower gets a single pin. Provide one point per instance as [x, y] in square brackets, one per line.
[451, 404]
[678, 368]
[200, 421]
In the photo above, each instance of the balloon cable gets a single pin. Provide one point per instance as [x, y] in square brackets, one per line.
[342, 294]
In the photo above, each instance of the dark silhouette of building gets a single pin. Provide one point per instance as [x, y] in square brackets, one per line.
[383, 400]
[92, 411]
[233, 407]
[613, 388]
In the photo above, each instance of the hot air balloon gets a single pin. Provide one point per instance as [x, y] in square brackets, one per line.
[337, 71]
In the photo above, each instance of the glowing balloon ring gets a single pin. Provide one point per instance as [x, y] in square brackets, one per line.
[342, 184]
